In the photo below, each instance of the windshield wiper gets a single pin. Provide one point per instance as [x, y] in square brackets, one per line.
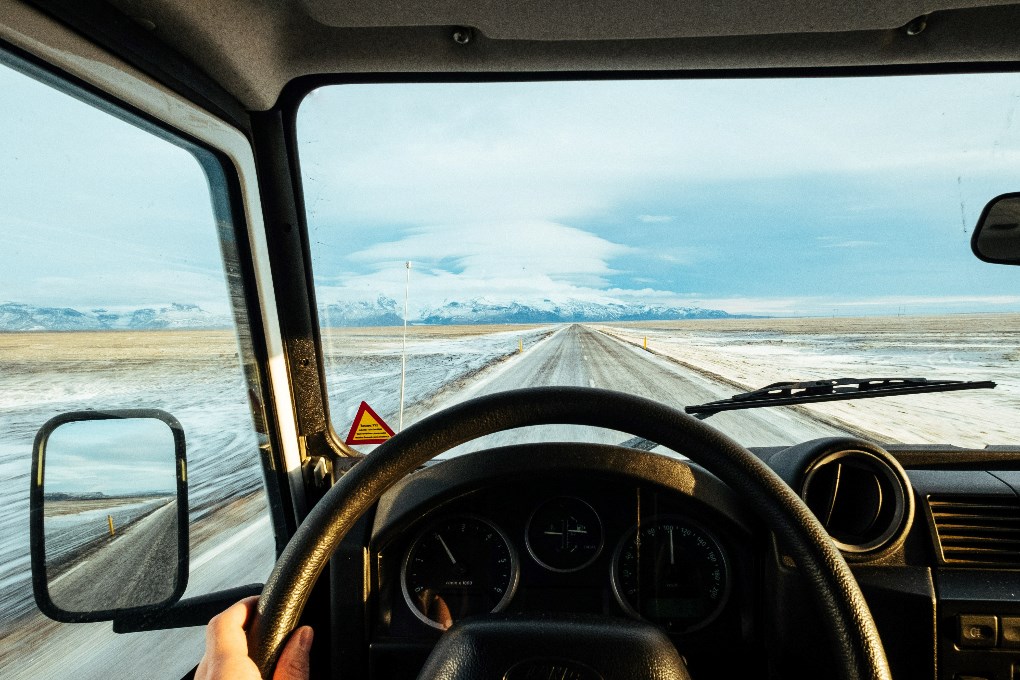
[838, 389]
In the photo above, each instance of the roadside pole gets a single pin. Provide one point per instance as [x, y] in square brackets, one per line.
[403, 350]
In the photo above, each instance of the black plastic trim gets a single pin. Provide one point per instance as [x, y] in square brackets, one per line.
[194, 611]
[292, 278]
[296, 90]
[329, 441]
[40, 577]
[981, 225]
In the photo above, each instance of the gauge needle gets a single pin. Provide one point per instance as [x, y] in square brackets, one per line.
[672, 559]
[562, 533]
[453, 560]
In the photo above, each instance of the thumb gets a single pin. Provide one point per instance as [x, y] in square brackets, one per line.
[293, 663]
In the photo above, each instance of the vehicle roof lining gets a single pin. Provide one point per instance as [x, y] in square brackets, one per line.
[633, 20]
[254, 48]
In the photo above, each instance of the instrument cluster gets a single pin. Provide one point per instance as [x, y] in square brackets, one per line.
[594, 548]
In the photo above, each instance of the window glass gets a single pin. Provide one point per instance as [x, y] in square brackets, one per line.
[113, 295]
[681, 240]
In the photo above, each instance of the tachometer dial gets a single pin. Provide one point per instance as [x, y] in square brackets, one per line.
[457, 567]
[671, 571]
[564, 534]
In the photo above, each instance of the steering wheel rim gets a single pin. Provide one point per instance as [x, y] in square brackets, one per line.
[850, 626]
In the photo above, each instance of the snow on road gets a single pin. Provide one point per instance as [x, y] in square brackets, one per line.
[198, 380]
[749, 354]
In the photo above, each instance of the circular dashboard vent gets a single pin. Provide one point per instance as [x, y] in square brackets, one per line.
[861, 497]
[857, 490]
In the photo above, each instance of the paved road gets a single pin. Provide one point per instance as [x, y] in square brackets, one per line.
[581, 356]
[575, 355]
[135, 568]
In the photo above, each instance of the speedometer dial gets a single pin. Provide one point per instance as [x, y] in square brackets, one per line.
[671, 571]
[457, 567]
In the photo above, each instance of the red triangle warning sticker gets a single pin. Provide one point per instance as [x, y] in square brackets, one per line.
[368, 427]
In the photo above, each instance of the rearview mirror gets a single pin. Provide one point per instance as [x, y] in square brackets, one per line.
[108, 514]
[996, 238]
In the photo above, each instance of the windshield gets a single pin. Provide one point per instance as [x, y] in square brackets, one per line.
[681, 240]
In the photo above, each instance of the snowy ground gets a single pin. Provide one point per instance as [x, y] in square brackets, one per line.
[752, 353]
[364, 365]
[196, 377]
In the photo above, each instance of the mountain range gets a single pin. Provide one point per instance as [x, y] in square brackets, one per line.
[16, 316]
[480, 311]
[383, 311]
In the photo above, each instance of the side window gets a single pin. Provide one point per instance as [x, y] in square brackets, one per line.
[114, 294]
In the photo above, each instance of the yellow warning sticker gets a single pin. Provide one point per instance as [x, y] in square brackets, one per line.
[368, 427]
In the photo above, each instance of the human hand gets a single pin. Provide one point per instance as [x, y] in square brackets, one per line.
[226, 649]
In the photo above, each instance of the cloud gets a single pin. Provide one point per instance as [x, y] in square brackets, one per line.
[523, 260]
[567, 150]
[605, 191]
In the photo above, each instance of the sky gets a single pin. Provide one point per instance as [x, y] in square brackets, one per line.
[795, 197]
[780, 197]
[96, 213]
[114, 457]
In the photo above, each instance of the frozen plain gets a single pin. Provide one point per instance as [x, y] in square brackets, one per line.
[196, 377]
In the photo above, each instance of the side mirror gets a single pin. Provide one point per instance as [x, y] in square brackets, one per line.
[996, 238]
[108, 514]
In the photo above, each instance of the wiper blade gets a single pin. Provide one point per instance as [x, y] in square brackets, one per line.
[838, 389]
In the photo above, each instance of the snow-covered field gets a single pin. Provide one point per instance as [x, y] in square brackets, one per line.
[752, 353]
[364, 365]
[195, 375]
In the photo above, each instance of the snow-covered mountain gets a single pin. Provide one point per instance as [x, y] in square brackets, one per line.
[480, 311]
[15, 316]
[383, 311]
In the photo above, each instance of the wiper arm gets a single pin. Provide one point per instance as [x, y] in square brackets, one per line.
[838, 389]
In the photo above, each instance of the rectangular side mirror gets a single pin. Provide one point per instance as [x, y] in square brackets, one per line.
[108, 514]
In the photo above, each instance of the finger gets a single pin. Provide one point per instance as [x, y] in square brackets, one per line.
[294, 663]
[225, 632]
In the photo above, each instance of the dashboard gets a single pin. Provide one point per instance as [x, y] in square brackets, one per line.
[565, 529]
[507, 531]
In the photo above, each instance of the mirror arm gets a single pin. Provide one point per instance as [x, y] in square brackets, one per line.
[193, 611]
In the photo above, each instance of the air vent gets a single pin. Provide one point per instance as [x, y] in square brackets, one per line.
[857, 490]
[977, 531]
[860, 498]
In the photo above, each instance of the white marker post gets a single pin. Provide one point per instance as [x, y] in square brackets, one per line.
[403, 351]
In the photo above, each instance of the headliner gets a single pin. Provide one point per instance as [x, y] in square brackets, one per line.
[253, 48]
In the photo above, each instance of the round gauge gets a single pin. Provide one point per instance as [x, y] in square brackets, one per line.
[671, 571]
[457, 567]
[564, 534]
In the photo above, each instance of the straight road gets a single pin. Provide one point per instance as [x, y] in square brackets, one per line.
[575, 355]
[581, 356]
[137, 567]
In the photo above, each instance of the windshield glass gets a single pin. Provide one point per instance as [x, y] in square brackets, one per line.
[681, 240]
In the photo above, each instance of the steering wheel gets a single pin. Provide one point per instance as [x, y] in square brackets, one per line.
[476, 647]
